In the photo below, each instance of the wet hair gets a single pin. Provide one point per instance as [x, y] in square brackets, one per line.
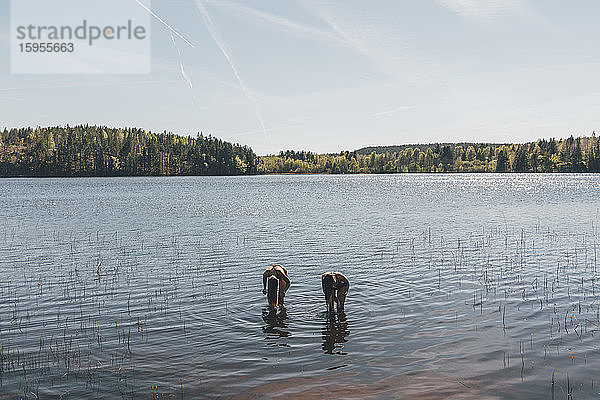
[272, 295]
[327, 282]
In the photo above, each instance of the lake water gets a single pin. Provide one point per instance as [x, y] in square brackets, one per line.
[472, 286]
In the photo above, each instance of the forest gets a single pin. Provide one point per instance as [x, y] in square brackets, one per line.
[581, 154]
[85, 150]
[100, 151]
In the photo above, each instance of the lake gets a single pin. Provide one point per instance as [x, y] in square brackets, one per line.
[465, 285]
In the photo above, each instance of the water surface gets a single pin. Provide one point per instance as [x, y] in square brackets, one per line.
[473, 286]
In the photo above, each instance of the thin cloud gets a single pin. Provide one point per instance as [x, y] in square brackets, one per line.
[254, 132]
[86, 85]
[289, 26]
[223, 47]
[378, 41]
[482, 10]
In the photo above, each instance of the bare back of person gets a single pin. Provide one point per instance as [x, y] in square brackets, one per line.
[335, 287]
[279, 273]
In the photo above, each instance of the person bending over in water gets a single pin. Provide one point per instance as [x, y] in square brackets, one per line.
[277, 276]
[335, 286]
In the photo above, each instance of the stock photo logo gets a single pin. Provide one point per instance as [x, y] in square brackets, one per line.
[80, 37]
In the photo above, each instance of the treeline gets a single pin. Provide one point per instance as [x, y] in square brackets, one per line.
[580, 154]
[423, 147]
[100, 151]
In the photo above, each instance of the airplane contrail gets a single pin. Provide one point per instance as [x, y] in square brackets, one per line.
[164, 23]
[221, 44]
[185, 76]
[395, 110]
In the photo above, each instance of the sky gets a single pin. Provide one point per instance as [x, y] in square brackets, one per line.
[328, 76]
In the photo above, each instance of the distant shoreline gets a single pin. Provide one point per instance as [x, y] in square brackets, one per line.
[296, 174]
[98, 151]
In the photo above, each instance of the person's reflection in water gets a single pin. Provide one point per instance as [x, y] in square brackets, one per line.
[335, 331]
[275, 321]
